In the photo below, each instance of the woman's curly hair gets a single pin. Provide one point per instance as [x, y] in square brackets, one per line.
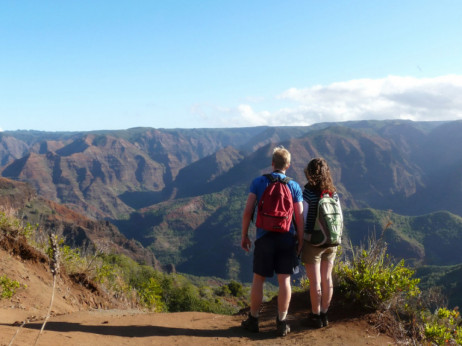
[318, 174]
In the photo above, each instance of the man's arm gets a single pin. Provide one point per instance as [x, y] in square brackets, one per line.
[246, 244]
[298, 212]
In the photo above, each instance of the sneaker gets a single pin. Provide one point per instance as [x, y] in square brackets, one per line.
[282, 327]
[315, 320]
[251, 324]
[324, 320]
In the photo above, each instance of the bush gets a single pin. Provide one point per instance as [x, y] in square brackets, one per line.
[8, 287]
[371, 278]
[223, 291]
[14, 227]
[150, 294]
[236, 288]
[71, 259]
[443, 327]
[233, 288]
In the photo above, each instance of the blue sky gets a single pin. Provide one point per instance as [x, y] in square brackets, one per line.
[90, 65]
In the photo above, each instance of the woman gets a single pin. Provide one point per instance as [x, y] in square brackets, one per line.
[318, 260]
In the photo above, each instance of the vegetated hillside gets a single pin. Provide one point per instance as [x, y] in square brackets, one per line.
[446, 278]
[30, 268]
[431, 239]
[76, 229]
[199, 235]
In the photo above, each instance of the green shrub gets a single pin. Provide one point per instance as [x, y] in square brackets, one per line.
[233, 288]
[9, 223]
[371, 278]
[443, 327]
[8, 287]
[72, 259]
[236, 288]
[14, 226]
[150, 294]
[223, 291]
[304, 283]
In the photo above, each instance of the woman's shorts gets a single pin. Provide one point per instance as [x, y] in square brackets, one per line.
[315, 254]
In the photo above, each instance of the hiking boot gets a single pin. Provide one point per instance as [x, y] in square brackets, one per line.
[324, 320]
[282, 327]
[251, 324]
[315, 320]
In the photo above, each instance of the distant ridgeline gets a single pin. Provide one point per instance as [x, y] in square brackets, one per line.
[181, 192]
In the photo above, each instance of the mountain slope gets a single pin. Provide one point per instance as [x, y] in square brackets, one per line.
[89, 173]
[395, 165]
[77, 230]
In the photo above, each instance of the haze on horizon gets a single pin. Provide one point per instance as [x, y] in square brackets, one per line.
[81, 66]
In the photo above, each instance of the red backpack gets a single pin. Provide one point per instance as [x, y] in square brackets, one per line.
[276, 206]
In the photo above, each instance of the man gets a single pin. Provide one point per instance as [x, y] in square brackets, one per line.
[274, 251]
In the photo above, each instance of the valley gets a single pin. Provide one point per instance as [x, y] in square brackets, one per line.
[174, 198]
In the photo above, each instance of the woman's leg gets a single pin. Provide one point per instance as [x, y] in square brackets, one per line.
[314, 275]
[327, 286]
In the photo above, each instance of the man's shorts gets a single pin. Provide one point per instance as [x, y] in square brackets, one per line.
[274, 253]
[315, 254]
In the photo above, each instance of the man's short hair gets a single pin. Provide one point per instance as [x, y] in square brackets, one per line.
[281, 158]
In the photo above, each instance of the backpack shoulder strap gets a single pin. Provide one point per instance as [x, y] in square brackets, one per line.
[271, 177]
[326, 192]
[286, 180]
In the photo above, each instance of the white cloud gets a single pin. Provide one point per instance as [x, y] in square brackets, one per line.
[240, 116]
[394, 97]
[1, 130]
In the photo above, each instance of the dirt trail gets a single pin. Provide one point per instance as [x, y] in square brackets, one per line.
[116, 327]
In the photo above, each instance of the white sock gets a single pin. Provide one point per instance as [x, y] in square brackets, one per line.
[255, 315]
[324, 312]
[282, 315]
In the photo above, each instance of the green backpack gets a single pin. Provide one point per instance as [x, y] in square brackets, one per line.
[328, 227]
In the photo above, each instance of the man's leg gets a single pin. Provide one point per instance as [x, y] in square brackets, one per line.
[285, 293]
[256, 298]
[256, 294]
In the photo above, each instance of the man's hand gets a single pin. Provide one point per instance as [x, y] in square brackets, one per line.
[246, 244]
[299, 248]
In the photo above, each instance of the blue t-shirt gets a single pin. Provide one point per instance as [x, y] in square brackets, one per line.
[259, 185]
